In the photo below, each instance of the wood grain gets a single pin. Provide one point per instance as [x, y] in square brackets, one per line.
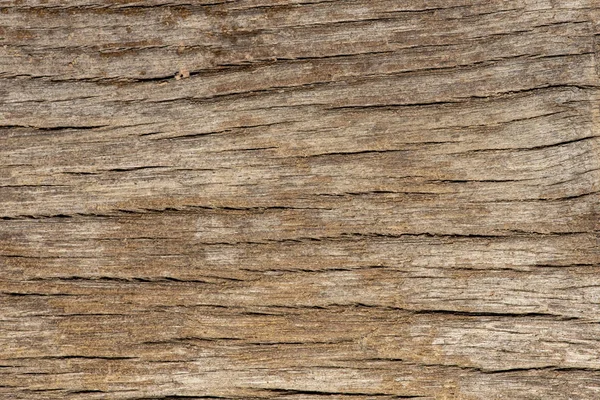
[290, 199]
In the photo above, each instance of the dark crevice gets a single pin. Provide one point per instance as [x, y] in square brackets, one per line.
[496, 314]
[538, 199]
[86, 315]
[558, 23]
[228, 130]
[191, 339]
[248, 149]
[555, 368]
[54, 128]
[477, 180]
[45, 257]
[79, 173]
[335, 307]
[377, 192]
[137, 168]
[25, 294]
[358, 152]
[292, 392]
[458, 313]
[459, 100]
[88, 391]
[183, 209]
[28, 216]
[72, 357]
[316, 271]
[561, 266]
[185, 397]
[31, 186]
[157, 279]
[391, 105]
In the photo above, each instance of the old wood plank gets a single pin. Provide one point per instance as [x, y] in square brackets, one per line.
[274, 199]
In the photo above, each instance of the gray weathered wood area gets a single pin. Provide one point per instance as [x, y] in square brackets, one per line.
[289, 199]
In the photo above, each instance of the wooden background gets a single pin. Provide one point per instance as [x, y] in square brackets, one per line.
[289, 199]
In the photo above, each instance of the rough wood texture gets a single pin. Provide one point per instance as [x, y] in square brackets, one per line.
[288, 199]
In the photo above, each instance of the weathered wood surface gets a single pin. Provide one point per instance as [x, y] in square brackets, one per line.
[280, 199]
